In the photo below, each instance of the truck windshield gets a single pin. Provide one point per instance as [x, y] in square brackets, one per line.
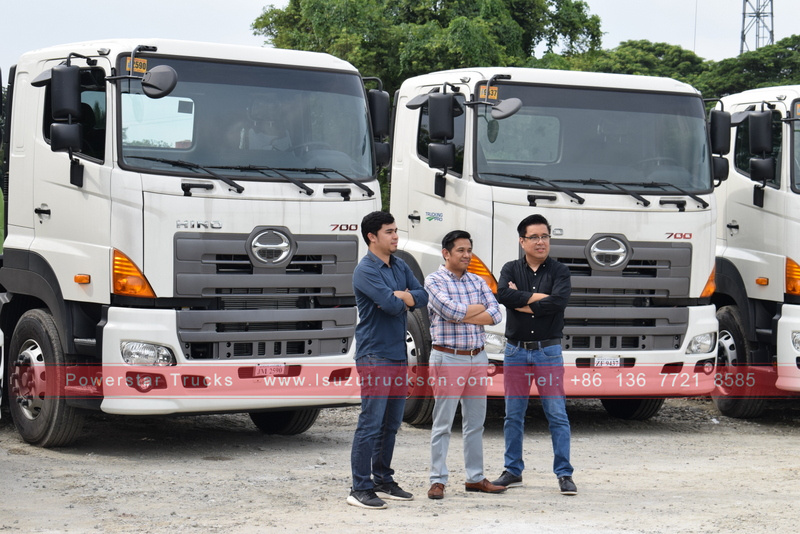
[591, 140]
[239, 119]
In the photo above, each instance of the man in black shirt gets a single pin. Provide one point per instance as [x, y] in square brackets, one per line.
[535, 289]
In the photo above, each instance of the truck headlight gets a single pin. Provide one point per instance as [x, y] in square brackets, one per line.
[702, 343]
[496, 340]
[138, 353]
[796, 341]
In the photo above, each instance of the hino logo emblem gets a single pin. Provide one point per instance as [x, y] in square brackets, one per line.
[609, 252]
[271, 247]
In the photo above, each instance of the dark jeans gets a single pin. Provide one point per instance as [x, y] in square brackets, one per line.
[383, 397]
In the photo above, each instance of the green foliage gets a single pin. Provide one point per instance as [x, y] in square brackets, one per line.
[397, 39]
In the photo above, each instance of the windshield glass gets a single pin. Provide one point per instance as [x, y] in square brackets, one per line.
[241, 120]
[595, 141]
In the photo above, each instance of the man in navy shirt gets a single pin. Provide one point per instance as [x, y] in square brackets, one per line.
[385, 290]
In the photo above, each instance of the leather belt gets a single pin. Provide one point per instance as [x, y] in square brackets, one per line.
[534, 345]
[457, 352]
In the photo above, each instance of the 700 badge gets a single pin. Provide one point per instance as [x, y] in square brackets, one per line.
[344, 228]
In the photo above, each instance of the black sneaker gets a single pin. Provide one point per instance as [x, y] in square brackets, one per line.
[392, 491]
[508, 480]
[365, 499]
[567, 486]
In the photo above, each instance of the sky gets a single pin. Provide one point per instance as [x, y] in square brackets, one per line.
[711, 28]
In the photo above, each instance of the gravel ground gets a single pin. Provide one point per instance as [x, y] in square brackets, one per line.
[688, 469]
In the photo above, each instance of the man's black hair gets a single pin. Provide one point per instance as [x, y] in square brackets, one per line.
[372, 223]
[448, 242]
[529, 220]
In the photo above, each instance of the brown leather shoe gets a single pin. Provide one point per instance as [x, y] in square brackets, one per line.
[483, 486]
[436, 491]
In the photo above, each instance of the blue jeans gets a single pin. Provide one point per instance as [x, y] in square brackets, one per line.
[383, 397]
[545, 368]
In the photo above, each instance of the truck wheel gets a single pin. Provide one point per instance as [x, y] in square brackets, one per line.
[286, 423]
[419, 402]
[734, 395]
[36, 379]
[632, 409]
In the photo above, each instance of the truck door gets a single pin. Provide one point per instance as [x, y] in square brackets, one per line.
[71, 223]
[755, 235]
[428, 216]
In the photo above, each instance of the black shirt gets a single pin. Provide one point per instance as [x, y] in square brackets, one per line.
[547, 321]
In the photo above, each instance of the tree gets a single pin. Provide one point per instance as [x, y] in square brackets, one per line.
[635, 57]
[397, 39]
[777, 64]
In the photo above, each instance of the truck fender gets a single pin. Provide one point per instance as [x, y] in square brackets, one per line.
[730, 284]
[28, 273]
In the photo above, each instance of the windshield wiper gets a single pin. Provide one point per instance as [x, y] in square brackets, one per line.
[702, 202]
[592, 181]
[321, 170]
[528, 177]
[261, 169]
[193, 166]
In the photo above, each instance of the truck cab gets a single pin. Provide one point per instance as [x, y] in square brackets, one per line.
[181, 215]
[758, 290]
[622, 168]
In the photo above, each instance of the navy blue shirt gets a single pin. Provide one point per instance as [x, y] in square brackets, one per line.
[381, 329]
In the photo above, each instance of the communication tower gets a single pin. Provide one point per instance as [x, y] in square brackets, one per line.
[756, 19]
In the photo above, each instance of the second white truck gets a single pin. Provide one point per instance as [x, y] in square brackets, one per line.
[621, 166]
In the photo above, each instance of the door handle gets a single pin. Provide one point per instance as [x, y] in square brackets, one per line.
[42, 211]
[415, 218]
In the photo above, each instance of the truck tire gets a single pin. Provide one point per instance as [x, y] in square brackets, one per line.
[285, 423]
[419, 402]
[632, 409]
[36, 378]
[733, 352]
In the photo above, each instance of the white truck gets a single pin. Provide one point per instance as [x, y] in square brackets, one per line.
[621, 166]
[182, 228]
[758, 275]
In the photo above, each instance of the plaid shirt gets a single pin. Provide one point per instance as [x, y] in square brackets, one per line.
[448, 298]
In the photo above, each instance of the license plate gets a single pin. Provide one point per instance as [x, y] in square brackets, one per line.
[270, 369]
[606, 361]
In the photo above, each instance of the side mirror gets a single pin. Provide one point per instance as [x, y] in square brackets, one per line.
[159, 81]
[506, 108]
[65, 137]
[383, 154]
[65, 92]
[378, 102]
[760, 132]
[762, 169]
[440, 116]
[441, 156]
[721, 168]
[720, 131]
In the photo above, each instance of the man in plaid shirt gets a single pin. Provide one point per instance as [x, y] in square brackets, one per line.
[459, 304]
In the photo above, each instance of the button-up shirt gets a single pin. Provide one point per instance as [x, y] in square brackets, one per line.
[547, 320]
[381, 328]
[449, 296]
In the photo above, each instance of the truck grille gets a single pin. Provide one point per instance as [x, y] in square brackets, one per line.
[616, 309]
[303, 308]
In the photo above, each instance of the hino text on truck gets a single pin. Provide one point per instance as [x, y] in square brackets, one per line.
[758, 275]
[621, 166]
[182, 228]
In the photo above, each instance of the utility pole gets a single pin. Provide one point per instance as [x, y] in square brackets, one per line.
[757, 18]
